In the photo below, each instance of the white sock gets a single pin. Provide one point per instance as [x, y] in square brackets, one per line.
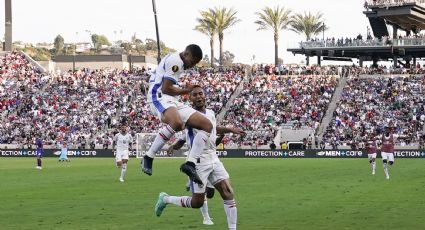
[198, 145]
[231, 213]
[164, 134]
[182, 201]
[386, 169]
[123, 170]
[204, 210]
[373, 166]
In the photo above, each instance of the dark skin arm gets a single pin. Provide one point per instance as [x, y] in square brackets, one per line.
[223, 130]
[176, 146]
[169, 88]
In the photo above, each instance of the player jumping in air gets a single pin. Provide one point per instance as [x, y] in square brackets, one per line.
[122, 141]
[166, 106]
[371, 148]
[387, 150]
[209, 168]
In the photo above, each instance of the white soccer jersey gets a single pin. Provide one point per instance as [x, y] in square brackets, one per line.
[123, 141]
[170, 68]
[209, 152]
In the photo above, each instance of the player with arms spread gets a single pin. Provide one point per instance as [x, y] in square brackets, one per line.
[123, 141]
[209, 167]
[163, 98]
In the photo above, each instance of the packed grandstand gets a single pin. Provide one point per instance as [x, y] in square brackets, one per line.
[85, 107]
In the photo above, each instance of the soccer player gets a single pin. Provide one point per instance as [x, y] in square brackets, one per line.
[166, 106]
[64, 152]
[122, 141]
[371, 152]
[209, 168]
[387, 150]
[39, 152]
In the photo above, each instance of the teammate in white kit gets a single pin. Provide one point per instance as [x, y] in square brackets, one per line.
[387, 150]
[123, 141]
[163, 98]
[208, 166]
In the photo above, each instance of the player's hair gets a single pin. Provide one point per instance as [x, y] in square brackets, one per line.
[195, 50]
[197, 86]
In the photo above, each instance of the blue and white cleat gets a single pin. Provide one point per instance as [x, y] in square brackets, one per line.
[160, 204]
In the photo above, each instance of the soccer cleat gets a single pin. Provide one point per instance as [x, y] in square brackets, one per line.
[189, 169]
[388, 177]
[38, 167]
[146, 165]
[208, 222]
[373, 172]
[160, 204]
[121, 179]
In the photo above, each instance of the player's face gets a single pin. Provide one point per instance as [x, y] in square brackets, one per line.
[189, 61]
[123, 129]
[197, 97]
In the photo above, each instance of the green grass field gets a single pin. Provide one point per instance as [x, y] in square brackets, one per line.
[270, 193]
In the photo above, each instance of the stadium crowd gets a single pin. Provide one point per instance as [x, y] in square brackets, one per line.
[369, 104]
[269, 101]
[83, 108]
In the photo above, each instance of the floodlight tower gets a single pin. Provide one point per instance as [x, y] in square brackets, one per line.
[8, 26]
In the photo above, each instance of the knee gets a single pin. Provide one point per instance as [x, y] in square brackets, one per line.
[207, 127]
[210, 193]
[177, 125]
[370, 161]
[384, 161]
[391, 162]
[197, 203]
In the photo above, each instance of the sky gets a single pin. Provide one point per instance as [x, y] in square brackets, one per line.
[40, 21]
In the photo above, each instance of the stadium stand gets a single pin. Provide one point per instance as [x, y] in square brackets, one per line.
[370, 103]
[86, 106]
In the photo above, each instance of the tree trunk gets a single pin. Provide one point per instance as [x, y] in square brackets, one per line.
[212, 50]
[276, 49]
[220, 39]
[307, 58]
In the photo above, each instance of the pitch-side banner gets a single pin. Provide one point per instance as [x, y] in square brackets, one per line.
[231, 153]
[84, 153]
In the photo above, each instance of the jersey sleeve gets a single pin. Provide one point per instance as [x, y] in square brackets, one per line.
[115, 138]
[172, 68]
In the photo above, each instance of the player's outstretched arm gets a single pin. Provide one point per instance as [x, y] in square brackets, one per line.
[223, 130]
[169, 88]
[176, 146]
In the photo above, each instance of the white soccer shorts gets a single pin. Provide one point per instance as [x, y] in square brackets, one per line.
[121, 155]
[387, 156]
[159, 107]
[212, 173]
[371, 156]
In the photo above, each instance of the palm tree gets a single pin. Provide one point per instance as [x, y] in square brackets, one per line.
[275, 19]
[207, 26]
[224, 19]
[309, 25]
